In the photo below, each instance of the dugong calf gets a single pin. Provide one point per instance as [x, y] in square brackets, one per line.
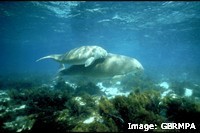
[82, 55]
[110, 66]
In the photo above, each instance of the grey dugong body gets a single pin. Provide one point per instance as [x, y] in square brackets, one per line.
[78, 56]
[110, 66]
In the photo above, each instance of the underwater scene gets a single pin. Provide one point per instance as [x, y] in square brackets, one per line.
[91, 66]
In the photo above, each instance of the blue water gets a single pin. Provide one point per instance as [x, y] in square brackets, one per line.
[163, 36]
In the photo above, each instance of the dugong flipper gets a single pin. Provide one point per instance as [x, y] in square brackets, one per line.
[110, 66]
[83, 55]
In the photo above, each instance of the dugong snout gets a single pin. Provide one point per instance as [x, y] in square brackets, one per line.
[138, 65]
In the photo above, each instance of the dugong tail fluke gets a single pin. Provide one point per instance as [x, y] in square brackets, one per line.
[56, 57]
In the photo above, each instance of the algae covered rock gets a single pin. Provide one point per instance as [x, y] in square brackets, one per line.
[20, 124]
[83, 107]
[182, 109]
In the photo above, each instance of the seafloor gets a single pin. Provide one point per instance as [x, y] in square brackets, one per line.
[37, 103]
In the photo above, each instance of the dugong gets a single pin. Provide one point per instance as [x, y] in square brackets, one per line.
[110, 66]
[82, 55]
